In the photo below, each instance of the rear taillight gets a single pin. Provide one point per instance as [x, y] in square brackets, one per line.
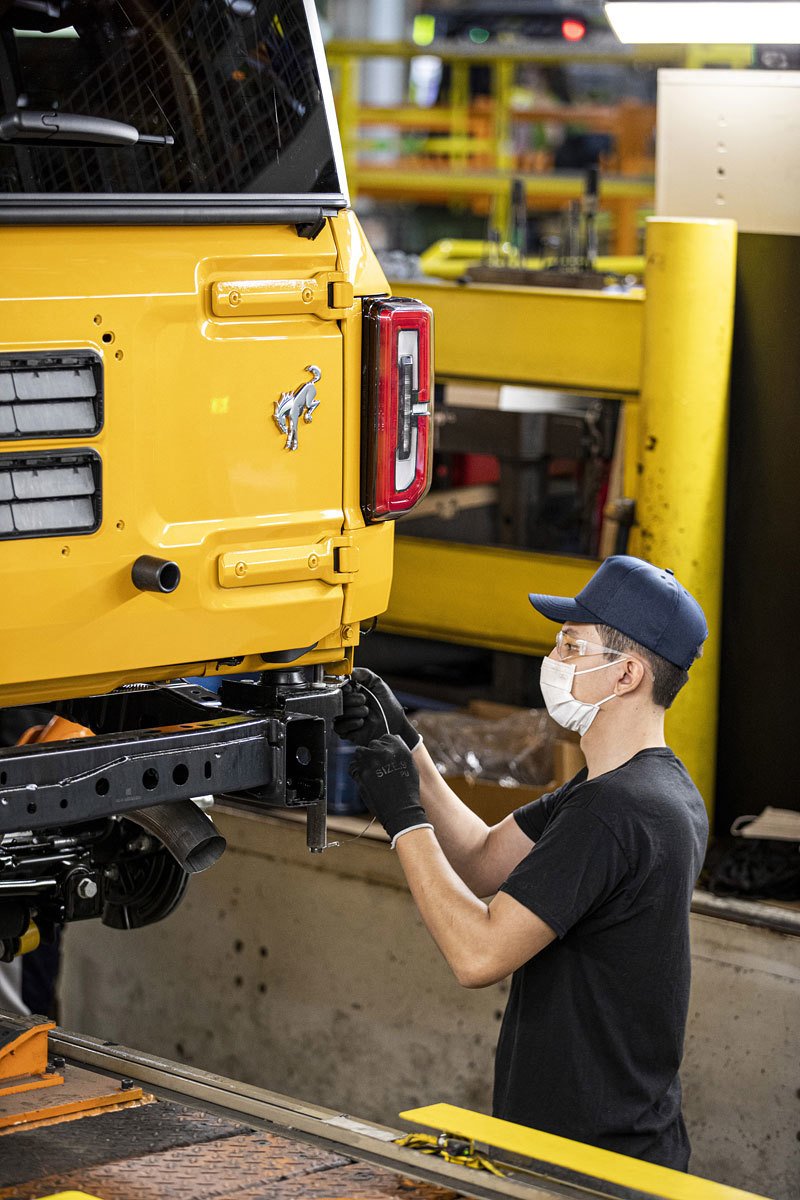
[397, 403]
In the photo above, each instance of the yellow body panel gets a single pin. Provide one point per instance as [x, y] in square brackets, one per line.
[194, 467]
[640, 1177]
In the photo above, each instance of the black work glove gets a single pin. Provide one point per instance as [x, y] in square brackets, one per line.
[388, 780]
[362, 720]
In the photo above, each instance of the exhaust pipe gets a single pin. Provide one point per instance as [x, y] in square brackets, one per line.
[191, 837]
[151, 574]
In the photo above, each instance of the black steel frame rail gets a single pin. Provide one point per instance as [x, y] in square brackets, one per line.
[156, 745]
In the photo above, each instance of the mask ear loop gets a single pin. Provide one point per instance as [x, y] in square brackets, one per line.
[589, 670]
[620, 654]
[614, 695]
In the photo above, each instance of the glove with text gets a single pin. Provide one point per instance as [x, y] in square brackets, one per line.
[388, 780]
[362, 720]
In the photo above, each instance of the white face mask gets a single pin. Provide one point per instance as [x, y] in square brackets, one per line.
[556, 679]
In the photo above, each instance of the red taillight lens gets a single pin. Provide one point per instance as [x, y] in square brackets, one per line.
[397, 396]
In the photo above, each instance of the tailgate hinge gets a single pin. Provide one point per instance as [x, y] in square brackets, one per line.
[334, 561]
[345, 556]
[328, 295]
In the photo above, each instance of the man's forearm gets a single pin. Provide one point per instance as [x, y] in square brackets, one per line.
[460, 832]
[482, 943]
[456, 919]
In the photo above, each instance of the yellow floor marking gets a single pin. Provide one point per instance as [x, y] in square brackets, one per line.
[661, 1182]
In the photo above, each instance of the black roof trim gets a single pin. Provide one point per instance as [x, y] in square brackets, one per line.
[156, 210]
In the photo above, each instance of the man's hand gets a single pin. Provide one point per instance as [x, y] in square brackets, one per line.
[362, 720]
[388, 780]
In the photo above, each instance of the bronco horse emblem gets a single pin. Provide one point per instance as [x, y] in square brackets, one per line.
[291, 404]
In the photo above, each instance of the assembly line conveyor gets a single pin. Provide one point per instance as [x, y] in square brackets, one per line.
[82, 1117]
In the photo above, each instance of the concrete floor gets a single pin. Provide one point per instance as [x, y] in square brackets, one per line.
[313, 976]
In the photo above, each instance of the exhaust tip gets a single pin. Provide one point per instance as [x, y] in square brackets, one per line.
[150, 574]
[189, 835]
[205, 854]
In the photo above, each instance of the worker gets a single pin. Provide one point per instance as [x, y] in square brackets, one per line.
[591, 884]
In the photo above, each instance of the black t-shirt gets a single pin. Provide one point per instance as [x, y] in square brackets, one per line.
[592, 1037]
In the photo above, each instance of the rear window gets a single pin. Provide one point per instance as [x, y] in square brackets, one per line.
[225, 95]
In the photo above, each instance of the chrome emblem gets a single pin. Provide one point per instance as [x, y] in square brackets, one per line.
[292, 404]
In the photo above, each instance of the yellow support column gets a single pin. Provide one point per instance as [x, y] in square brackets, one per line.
[688, 325]
[347, 104]
[502, 151]
[459, 111]
[502, 86]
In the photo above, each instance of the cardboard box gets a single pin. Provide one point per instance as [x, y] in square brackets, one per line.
[491, 801]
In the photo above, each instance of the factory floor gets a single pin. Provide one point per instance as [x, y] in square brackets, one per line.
[313, 976]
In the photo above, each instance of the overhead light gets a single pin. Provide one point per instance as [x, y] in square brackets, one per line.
[736, 22]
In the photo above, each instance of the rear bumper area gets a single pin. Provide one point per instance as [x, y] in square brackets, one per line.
[261, 745]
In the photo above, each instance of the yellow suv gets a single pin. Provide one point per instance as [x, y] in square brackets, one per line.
[210, 414]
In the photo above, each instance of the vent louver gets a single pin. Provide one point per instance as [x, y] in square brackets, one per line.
[44, 395]
[50, 493]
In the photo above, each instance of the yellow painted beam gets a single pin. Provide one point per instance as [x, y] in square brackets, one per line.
[626, 199]
[465, 182]
[533, 336]
[478, 595]
[642, 1177]
[449, 258]
[521, 52]
[406, 118]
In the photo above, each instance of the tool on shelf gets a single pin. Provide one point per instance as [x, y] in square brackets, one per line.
[575, 262]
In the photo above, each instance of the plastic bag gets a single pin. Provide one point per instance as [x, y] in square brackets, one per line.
[512, 750]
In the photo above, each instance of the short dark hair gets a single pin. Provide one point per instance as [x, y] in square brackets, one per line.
[667, 678]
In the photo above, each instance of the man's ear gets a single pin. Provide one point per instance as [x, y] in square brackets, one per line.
[633, 677]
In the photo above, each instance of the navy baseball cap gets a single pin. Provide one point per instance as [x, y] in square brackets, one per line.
[644, 602]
